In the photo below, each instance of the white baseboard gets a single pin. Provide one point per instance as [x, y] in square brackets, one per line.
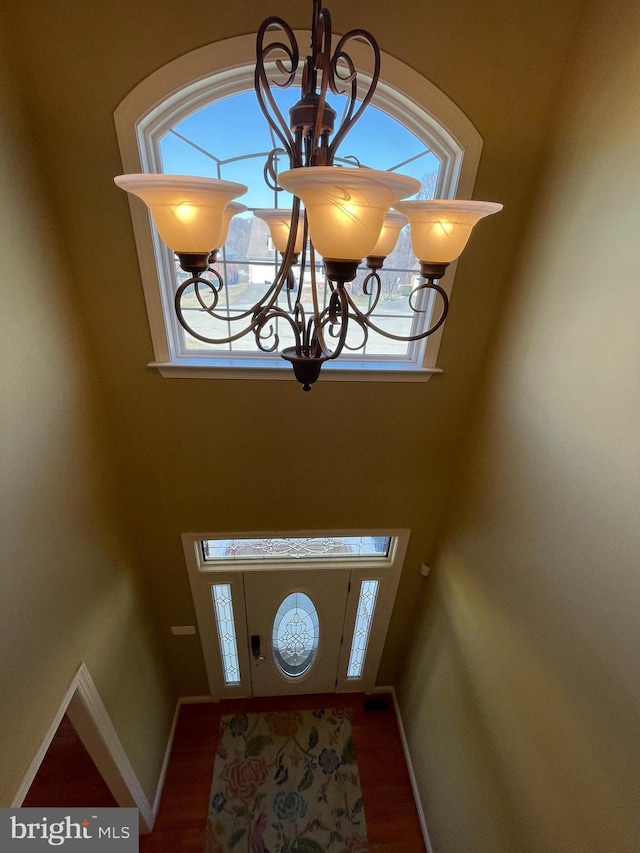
[407, 755]
[183, 700]
[165, 762]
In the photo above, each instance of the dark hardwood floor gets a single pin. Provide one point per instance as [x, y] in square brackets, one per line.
[392, 820]
[67, 777]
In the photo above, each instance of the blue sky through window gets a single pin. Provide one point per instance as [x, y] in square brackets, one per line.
[234, 126]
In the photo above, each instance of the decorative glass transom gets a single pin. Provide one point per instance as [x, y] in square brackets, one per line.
[223, 606]
[362, 629]
[296, 632]
[296, 547]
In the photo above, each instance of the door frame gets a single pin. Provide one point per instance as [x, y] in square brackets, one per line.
[202, 576]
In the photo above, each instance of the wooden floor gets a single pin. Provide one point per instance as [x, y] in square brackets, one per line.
[392, 819]
[67, 777]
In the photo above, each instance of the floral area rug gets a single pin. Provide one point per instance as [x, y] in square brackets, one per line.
[286, 782]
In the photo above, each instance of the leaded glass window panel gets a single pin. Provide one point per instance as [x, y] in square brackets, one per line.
[296, 633]
[223, 606]
[362, 628]
[296, 547]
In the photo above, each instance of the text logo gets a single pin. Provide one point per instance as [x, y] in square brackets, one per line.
[69, 829]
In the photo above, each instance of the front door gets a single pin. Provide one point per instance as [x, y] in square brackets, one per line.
[295, 623]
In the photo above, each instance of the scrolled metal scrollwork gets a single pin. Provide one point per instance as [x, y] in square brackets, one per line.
[285, 56]
[363, 318]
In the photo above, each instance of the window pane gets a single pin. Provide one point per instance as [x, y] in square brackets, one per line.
[362, 628]
[296, 632]
[223, 606]
[339, 547]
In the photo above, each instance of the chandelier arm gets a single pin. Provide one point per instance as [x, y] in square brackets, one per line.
[288, 68]
[337, 79]
[300, 319]
[214, 272]
[309, 341]
[291, 283]
[364, 319]
[268, 317]
[210, 309]
[195, 280]
[321, 44]
[270, 170]
[318, 336]
[258, 309]
[276, 121]
[297, 302]
[339, 300]
[372, 278]
[214, 288]
[317, 29]
[429, 284]
[365, 335]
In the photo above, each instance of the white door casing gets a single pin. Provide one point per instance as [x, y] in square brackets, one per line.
[237, 578]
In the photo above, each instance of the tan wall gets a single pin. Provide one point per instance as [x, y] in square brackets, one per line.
[67, 589]
[522, 696]
[236, 455]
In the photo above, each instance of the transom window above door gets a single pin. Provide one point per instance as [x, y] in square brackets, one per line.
[282, 548]
[197, 115]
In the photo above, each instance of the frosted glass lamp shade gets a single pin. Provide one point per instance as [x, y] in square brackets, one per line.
[391, 228]
[231, 210]
[279, 222]
[441, 228]
[346, 207]
[188, 212]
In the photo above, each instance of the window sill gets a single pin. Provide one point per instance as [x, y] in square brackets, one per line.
[257, 369]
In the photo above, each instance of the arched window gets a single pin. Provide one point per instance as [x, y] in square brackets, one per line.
[198, 115]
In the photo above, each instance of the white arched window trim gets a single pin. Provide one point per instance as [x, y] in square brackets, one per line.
[183, 86]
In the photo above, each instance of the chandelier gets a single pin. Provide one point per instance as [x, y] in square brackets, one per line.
[347, 215]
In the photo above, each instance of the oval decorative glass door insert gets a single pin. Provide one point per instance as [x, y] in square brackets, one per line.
[296, 632]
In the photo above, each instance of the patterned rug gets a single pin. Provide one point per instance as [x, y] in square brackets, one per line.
[286, 782]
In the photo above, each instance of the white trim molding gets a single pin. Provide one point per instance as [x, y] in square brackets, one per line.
[89, 717]
[165, 762]
[182, 700]
[223, 69]
[407, 755]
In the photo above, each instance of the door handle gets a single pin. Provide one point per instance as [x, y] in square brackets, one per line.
[255, 647]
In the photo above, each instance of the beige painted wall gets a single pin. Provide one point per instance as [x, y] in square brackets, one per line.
[204, 455]
[68, 589]
[522, 697]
